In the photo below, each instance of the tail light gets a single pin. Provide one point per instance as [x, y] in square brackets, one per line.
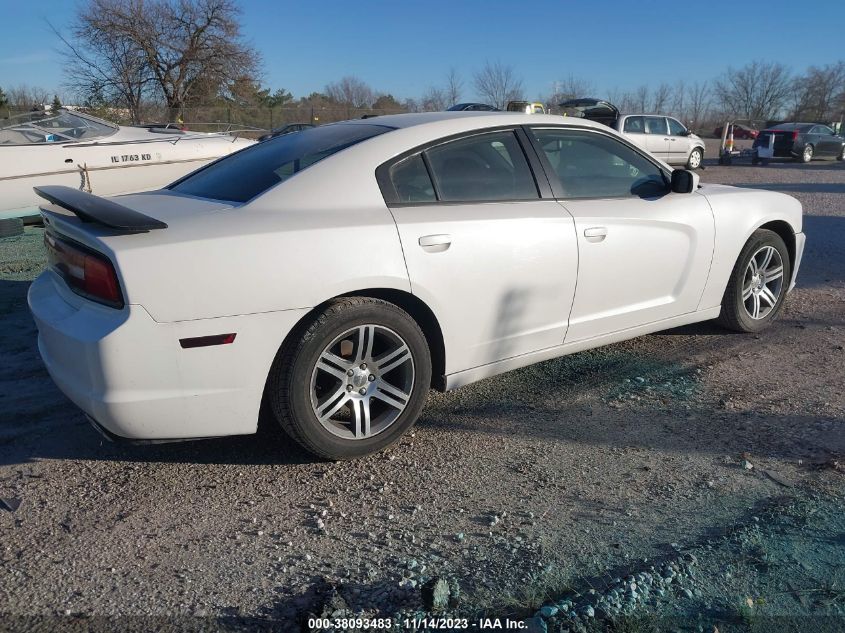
[86, 272]
[794, 134]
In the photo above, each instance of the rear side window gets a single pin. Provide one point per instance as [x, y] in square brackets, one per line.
[655, 125]
[411, 180]
[482, 168]
[241, 176]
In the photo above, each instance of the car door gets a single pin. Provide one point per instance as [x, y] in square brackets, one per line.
[680, 145]
[657, 136]
[826, 142]
[495, 262]
[644, 253]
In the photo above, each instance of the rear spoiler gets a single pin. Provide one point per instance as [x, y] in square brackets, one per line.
[91, 208]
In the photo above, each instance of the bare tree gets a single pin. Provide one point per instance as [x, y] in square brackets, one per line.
[434, 100]
[351, 92]
[574, 87]
[758, 90]
[26, 97]
[640, 98]
[660, 98]
[183, 44]
[101, 62]
[570, 88]
[411, 105]
[497, 84]
[698, 104]
[454, 87]
[819, 93]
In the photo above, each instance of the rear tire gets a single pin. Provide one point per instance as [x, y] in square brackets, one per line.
[757, 288]
[11, 227]
[807, 155]
[340, 409]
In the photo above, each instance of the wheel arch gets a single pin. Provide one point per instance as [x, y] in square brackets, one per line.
[413, 305]
[785, 232]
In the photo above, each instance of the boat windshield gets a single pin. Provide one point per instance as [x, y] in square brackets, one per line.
[64, 126]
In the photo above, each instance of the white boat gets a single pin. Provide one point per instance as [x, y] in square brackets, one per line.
[81, 151]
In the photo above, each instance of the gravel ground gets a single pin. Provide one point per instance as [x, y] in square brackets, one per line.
[520, 490]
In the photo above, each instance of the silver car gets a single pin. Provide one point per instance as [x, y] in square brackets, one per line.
[666, 138]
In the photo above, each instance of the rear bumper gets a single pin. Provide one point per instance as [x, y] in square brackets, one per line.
[130, 374]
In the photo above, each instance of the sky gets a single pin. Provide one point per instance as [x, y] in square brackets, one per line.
[405, 46]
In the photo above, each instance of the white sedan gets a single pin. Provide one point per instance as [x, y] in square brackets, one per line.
[341, 272]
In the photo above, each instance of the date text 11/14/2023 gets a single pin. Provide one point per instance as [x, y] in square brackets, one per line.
[417, 624]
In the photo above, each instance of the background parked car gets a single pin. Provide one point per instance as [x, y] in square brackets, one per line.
[665, 137]
[286, 129]
[802, 141]
[526, 107]
[740, 132]
[472, 107]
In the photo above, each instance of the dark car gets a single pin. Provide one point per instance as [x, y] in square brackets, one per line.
[472, 107]
[286, 129]
[801, 141]
[593, 109]
[740, 132]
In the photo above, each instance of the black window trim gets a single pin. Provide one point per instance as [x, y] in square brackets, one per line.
[554, 180]
[391, 196]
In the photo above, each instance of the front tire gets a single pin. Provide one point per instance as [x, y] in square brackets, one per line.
[353, 380]
[758, 284]
[695, 157]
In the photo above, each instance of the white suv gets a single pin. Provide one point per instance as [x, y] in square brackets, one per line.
[663, 136]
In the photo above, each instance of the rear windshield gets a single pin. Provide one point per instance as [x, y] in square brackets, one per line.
[242, 176]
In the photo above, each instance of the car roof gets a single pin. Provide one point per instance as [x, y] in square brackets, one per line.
[791, 126]
[472, 119]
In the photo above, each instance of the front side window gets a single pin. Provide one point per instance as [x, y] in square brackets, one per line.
[634, 125]
[675, 128]
[594, 165]
[243, 175]
[481, 168]
[655, 125]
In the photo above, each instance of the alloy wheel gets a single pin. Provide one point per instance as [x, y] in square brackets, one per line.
[362, 382]
[695, 159]
[808, 153]
[762, 283]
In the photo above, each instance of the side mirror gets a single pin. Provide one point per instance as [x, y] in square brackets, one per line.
[684, 181]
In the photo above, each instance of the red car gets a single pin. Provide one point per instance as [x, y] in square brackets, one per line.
[740, 131]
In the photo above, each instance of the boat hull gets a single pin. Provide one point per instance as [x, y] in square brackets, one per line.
[105, 169]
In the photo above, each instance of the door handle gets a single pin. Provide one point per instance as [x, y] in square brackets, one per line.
[595, 234]
[435, 243]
